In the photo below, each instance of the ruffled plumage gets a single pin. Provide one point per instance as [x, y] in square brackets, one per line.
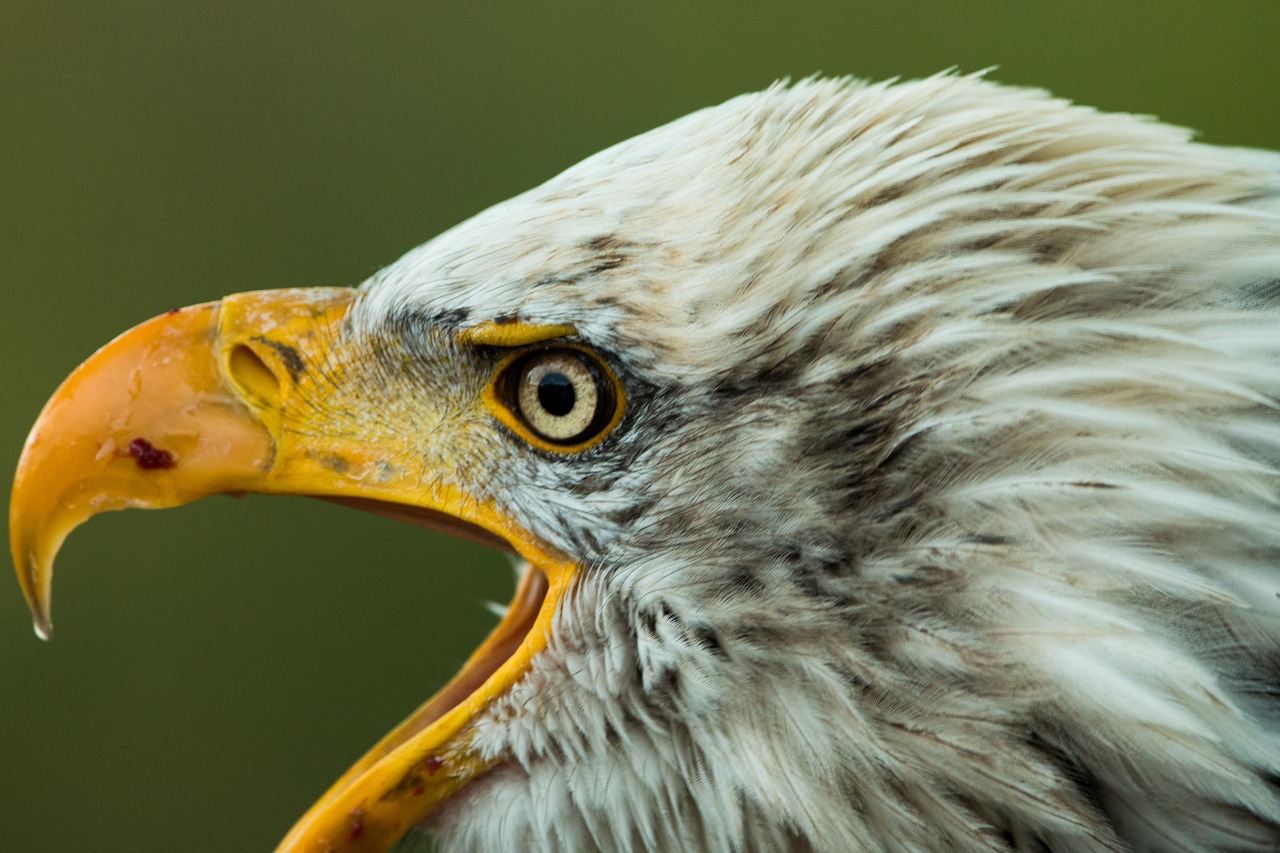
[944, 516]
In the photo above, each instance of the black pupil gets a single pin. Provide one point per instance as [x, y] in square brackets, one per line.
[556, 395]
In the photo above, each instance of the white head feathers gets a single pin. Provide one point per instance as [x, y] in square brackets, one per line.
[945, 516]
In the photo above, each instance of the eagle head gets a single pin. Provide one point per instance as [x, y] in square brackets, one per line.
[890, 467]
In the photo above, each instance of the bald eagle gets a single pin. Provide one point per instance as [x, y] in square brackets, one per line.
[892, 467]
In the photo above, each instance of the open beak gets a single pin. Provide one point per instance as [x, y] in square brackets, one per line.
[222, 398]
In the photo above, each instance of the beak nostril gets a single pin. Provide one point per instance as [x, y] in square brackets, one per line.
[252, 375]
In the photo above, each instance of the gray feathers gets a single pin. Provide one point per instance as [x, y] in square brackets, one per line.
[944, 516]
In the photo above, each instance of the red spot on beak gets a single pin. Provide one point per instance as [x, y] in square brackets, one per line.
[357, 828]
[433, 763]
[148, 456]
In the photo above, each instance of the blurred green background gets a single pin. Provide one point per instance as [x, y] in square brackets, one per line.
[218, 665]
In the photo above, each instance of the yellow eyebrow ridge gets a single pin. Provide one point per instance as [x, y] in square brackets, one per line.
[494, 333]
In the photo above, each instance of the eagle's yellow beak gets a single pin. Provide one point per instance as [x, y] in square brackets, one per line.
[206, 400]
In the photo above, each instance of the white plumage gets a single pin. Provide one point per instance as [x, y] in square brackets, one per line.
[944, 516]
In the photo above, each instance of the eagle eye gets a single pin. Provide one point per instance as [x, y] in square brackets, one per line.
[560, 398]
